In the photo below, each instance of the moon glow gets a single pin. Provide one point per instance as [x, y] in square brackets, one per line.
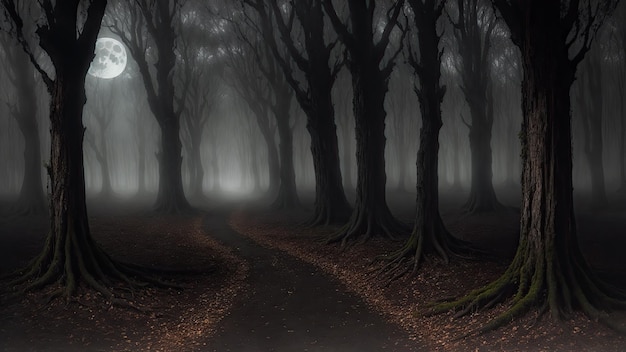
[110, 60]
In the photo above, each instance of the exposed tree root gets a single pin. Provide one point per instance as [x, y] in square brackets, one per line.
[174, 205]
[365, 225]
[561, 285]
[482, 203]
[328, 214]
[79, 262]
[434, 239]
[285, 200]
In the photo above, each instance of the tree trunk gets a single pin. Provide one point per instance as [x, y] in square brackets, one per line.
[592, 119]
[195, 168]
[371, 216]
[482, 195]
[171, 196]
[548, 269]
[70, 256]
[106, 189]
[31, 199]
[141, 163]
[622, 144]
[347, 157]
[287, 196]
[331, 205]
[429, 235]
[215, 171]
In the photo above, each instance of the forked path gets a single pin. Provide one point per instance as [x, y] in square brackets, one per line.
[293, 306]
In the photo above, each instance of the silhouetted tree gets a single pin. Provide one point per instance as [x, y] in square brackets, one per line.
[21, 74]
[200, 89]
[429, 233]
[144, 24]
[370, 78]
[548, 269]
[589, 94]
[280, 106]
[620, 41]
[314, 92]
[243, 75]
[473, 29]
[70, 257]
[99, 145]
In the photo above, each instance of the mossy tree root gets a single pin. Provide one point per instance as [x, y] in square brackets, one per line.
[562, 285]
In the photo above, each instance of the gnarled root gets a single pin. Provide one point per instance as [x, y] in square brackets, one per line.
[561, 284]
[432, 238]
[365, 226]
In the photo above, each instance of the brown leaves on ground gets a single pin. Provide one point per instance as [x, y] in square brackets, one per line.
[405, 301]
[175, 319]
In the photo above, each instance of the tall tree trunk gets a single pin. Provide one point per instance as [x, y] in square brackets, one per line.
[429, 233]
[347, 155]
[196, 169]
[592, 120]
[171, 196]
[473, 30]
[331, 205]
[622, 144]
[371, 215]
[482, 195]
[31, 199]
[287, 196]
[141, 163]
[273, 162]
[215, 170]
[548, 269]
[106, 189]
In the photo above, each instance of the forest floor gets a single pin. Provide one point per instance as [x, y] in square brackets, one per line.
[175, 319]
[278, 288]
[404, 301]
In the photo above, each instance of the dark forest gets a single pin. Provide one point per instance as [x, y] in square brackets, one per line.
[324, 175]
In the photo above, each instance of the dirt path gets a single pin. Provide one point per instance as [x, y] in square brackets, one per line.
[293, 306]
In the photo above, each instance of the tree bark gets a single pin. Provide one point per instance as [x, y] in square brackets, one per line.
[482, 197]
[287, 196]
[429, 235]
[548, 269]
[70, 256]
[331, 205]
[171, 196]
[370, 78]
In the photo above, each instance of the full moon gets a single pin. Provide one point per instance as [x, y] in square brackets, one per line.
[110, 60]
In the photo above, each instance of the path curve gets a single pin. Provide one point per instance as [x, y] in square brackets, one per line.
[294, 306]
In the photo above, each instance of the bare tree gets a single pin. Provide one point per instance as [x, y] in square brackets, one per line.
[312, 60]
[98, 143]
[473, 29]
[21, 74]
[200, 84]
[589, 94]
[429, 233]
[147, 27]
[243, 75]
[370, 78]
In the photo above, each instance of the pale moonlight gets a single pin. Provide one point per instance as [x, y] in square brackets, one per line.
[110, 60]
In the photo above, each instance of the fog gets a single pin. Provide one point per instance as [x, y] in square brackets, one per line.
[121, 129]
